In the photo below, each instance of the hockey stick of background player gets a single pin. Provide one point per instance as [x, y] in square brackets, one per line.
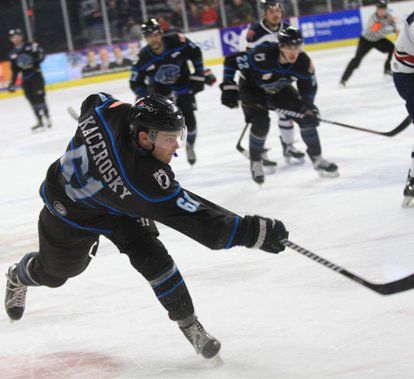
[403, 125]
[239, 147]
[72, 113]
[390, 288]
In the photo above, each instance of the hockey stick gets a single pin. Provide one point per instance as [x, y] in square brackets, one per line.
[239, 147]
[403, 125]
[72, 113]
[390, 288]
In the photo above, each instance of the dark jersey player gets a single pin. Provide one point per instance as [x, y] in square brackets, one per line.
[267, 74]
[267, 30]
[115, 180]
[26, 58]
[162, 67]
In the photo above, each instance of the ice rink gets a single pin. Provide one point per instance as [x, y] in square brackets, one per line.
[277, 316]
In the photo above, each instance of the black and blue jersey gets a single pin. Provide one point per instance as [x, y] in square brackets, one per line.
[26, 59]
[168, 72]
[261, 68]
[105, 174]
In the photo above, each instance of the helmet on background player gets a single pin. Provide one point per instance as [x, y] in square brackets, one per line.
[14, 32]
[265, 4]
[151, 26]
[290, 36]
[156, 113]
[382, 4]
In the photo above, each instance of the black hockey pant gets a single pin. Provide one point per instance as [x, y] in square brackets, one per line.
[65, 252]
[405, 87]
[188, 105]
[364, 46]
[34, 91]
[255, 106]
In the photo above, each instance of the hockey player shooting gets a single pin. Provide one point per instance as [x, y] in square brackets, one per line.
[266, 76]
[115, 180]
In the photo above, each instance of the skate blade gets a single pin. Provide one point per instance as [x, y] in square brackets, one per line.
[330, 175]
[38, 129]
[294, 161]
[269, 169]
[216, 361]
[407, 202]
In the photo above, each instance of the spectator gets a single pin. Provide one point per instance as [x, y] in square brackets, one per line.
[209, 15]
[176, 18]
[132, 30]
[241, 12]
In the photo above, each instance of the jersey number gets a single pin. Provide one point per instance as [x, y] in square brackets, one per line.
[242, 62]
[187, 203]
[75, 163]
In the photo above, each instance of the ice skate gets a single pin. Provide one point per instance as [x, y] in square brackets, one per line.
[324, 168]
[256, 169]
[203, 343]
[269, 166]
[38, 127]
[292, 155]
[15, 295]
[191, 156]
[408, 200]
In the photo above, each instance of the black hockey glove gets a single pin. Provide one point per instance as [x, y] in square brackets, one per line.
[11, 87]
[197, 81]
[311, 119]
[266, 234]
[229, 94]
[210, 77]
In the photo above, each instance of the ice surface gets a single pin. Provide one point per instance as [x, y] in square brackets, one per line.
[280, 316]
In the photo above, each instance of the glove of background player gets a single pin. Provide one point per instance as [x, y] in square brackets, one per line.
[11, 87]
[210, 77]
[197, 82]
[229, 93]
[311, 113]
[266, 234]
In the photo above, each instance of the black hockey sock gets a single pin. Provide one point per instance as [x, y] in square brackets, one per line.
[23, 270]
[256, 146]
[191, 137]
[311, 138]
[172, 293]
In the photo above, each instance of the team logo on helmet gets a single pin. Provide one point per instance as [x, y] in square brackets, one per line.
[162, 178]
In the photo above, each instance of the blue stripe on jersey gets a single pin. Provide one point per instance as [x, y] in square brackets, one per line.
[233, 232]
[121, 166]
[72, 223]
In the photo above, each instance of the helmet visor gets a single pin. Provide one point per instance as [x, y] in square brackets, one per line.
[170, 139]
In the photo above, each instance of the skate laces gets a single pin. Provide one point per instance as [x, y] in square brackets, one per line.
[17, 291]
[197, 335]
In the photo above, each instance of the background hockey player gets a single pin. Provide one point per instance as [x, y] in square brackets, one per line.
[267, 30]
[162, 67]
[26, 58]
[379, 25]
[267, 73]
[403, 75]
[114, 180]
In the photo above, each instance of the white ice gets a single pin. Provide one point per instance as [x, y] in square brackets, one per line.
[277, 316]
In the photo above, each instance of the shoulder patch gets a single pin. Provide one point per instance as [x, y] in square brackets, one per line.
[162, 178]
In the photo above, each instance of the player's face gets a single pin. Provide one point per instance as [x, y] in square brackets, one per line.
[382, 12]
[154, 40]
[273, 16]
[17, 39]
[167, 143]
[290, 53]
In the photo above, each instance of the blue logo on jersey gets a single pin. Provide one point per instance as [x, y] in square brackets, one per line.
[24, 61]
[167, 74]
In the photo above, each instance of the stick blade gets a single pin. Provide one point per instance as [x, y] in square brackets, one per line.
[401, 285]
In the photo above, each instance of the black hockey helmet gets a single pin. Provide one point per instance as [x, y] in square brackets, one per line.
[155, 113]
[290, 36]
[16, 31]
[382, 4]
[151, 26]
[265, 4]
